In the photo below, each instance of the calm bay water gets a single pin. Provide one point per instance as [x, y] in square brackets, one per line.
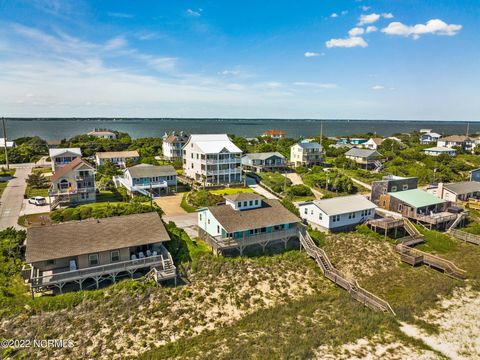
[51, 129]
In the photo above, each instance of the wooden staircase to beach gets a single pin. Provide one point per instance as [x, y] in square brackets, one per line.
[333, 274]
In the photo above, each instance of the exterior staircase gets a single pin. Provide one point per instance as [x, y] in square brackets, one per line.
[333, 274]
[460, 217]
[378, 166]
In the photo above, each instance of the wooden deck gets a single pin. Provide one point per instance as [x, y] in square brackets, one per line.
[220, 244]
[465, 236]
[163, 264]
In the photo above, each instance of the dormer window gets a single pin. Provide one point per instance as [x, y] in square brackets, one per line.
[239, 204]
[245, 203]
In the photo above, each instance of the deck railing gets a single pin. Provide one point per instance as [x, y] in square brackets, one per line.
[67, 276]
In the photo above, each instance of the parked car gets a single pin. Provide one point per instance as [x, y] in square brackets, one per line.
[37, 200]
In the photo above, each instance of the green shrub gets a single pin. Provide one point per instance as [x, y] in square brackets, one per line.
[299, 190]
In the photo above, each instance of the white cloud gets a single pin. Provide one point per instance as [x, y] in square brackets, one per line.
[378, 87]
[316, 85]
[346, 43]
[365, 8]
[356, 31]
[115, 43]
[368, 19]
[334, 15]
[371, 29]
[312, 54]
[344, 12]
[229, 72]
[434, 27]
[194, 13]
[372, 18]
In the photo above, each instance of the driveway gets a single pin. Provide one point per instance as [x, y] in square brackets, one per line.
[264, 192]
[297, 180]
[173, 212]
[11, 202]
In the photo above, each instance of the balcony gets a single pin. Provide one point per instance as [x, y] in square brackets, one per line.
[64, 275]
[88, 178]
[223, 161]
[59, 192]
[217, 242]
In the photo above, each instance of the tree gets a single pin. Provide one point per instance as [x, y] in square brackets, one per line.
[37, 181]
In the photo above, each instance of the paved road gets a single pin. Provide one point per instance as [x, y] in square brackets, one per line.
[262, 191]
[187, 222]
[12, 198]
[361, 183]
[297, 180]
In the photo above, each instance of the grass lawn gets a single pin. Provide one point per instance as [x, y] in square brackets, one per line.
[10, 172]
[3, 185]
[230, 191]
[186, 206]
[42, 170]
[108, 196]
[34, 219]
[31, 192]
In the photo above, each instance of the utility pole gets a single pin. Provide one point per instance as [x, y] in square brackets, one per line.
[468, 128]
[5, 143]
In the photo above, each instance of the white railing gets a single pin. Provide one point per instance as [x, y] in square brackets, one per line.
[230, 242]
[222, 161]
[96, 271]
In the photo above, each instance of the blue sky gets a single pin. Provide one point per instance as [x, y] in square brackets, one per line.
[391, 59]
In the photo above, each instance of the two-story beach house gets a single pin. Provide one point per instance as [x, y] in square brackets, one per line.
[72, 184]
[76, 255]
[306, 153]
[119, 158]
[261, 162]
[246, 220]
[212, 159]
[464, 142]
[173, 144]
[103, 133]
[63, 156]
[429, 137]
[148, 180]
[391, 183]
[338, 213]
[365, 157]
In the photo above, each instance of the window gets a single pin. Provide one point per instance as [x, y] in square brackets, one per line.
[370, 212]
[250, 203]
[114, 255]
[405, 187]
[93, 259]
[209, 221]
[200, 217]
[218, 228]
[311, 212]
[239, 204]
[320, 216]
[256, 202]
[245, 203]
[400, 207]
[306, 211]
[394, 188]
[51, 262]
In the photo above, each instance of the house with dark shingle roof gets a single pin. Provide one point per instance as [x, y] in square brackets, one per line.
[246, 220]
[365, 157]
[267, 161]
[460, 191]
[462, 141]
[73, 183]
[94, 250]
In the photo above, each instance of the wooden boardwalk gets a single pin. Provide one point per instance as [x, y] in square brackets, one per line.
[333, 274]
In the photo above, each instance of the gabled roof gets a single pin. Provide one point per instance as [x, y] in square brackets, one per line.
[456, 138]
[364, 153]
[271, 213]
[263, 156]
[464, 187]
[147, 170]
[117, 154]
[100, 132]
[343, 204]
[175, 138]
[417, 198]
[274, 132]
[377, 141]
[60, 151]
[432, 134]
[75, 238]
[214, 143]
[309, 145]
[75, 163]
[243, 197]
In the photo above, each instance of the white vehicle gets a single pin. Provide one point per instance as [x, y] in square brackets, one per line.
[37, 200]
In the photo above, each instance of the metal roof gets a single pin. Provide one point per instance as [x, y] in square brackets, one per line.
[364, 153]
[464, 187]
[60, 151]
[417, 198]
[344, 204]
[214, 143]
[263, 156]
[147, 170]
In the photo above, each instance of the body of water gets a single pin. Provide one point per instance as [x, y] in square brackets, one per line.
[57, 129]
